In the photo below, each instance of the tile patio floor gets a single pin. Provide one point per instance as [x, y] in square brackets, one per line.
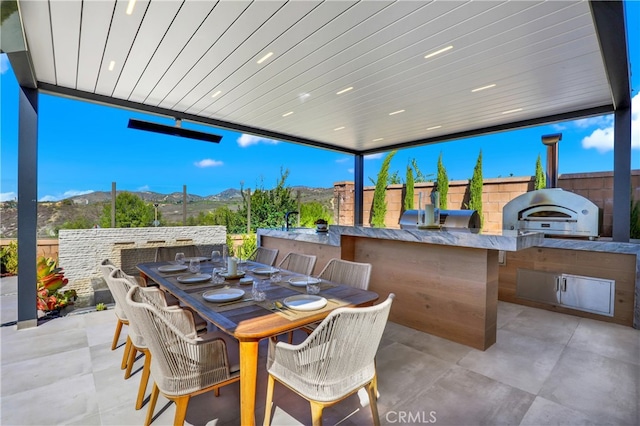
[545, 369]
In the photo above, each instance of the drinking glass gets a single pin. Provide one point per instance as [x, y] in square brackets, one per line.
[258, 290]
[194, 266]
[312, 287]
[217, 278]
[276, 276]
[180, 258]
[216, 257]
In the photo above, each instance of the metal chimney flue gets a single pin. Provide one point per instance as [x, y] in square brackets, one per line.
[551, 141]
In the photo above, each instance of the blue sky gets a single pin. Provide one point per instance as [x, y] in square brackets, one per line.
[84, 147]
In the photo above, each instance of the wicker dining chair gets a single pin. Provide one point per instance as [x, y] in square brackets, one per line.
[354, 274]
[264, 255]
[334, 361]
[183, 364]
[106, 267]
[120, 284]
[299, 263]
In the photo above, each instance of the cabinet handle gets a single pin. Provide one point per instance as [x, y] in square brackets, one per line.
[564, 284]
[557, 282]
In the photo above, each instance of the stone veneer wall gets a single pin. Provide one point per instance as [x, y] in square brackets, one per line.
[82, 250]
[597, 187]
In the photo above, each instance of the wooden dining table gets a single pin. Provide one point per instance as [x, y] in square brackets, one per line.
[250, 321]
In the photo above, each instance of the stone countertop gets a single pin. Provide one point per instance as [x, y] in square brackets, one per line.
[507, 240]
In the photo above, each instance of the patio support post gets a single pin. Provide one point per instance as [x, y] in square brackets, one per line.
[358, 195]
[27, 206]
[622, 175]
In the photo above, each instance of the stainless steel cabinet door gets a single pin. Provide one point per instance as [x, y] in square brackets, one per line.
[587, 294]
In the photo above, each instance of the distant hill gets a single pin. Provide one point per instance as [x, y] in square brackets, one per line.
[51, 215]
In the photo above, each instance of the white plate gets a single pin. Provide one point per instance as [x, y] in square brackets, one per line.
[198, 258]
[225, 274]
[223, 295]
[172, 268]
[302, 281]
[246, 281]
[196, 278]
[264, 271]
[305, 302]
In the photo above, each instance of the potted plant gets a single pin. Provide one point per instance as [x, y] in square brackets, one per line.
[50, 300]
[321, 225]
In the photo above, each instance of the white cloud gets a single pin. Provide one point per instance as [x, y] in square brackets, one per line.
[374, 156]
[4, 63]
[8, 196]
[143, 188]
[343, 160]
[48, 198]
[208, 162]
[602, 139]
[350, 171]
[247, 140]
[600, 121]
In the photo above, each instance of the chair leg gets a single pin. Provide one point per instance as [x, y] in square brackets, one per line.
[152, 404]
[144, 379]
[267, 407]
[181, 410]
[216, 392]
[290, 340]
[316, 413]
[132, 359]
[125, 355]
[116, 334]
[373, 401]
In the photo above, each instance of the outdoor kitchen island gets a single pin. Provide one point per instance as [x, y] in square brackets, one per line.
[446, 282]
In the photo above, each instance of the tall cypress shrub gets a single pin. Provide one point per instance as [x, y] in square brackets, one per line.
[443, 183]
[541, 179]
[379, 208]
[475, 189]
[409, 189]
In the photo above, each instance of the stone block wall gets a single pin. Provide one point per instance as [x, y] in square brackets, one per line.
[82, 250]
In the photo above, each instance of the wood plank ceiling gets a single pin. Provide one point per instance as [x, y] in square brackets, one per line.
[356, 76]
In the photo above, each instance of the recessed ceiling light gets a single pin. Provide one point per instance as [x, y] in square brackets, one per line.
[484, 87]
[339, 128]
[112, 65]
[216, 94]
[512, 110]
[130, 6]
[437, 52]
[265, 57]
[344, 90]
[396, 112]
[287, 113]
[377, 140]
[433, 128]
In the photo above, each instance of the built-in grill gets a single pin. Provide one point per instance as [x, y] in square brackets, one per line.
[468, 220]
[552, 210]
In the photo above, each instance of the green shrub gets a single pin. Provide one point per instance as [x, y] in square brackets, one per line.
[540, 179]
[475, 189]
[9, 258]
[379, 208]
[443, 184]
[249, 245]
[635, 220]
[409, 191]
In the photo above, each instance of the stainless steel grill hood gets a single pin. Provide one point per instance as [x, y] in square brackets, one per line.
[552, 211]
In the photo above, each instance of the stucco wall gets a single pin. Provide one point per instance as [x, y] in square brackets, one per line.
[597, 187]
[82, 250]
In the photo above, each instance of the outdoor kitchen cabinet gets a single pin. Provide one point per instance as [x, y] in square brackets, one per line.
[589, 294]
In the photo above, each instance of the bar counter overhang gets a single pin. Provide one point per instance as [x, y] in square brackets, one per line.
[446, 282]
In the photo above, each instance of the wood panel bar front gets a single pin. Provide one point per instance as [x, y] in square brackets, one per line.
[447, 291]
